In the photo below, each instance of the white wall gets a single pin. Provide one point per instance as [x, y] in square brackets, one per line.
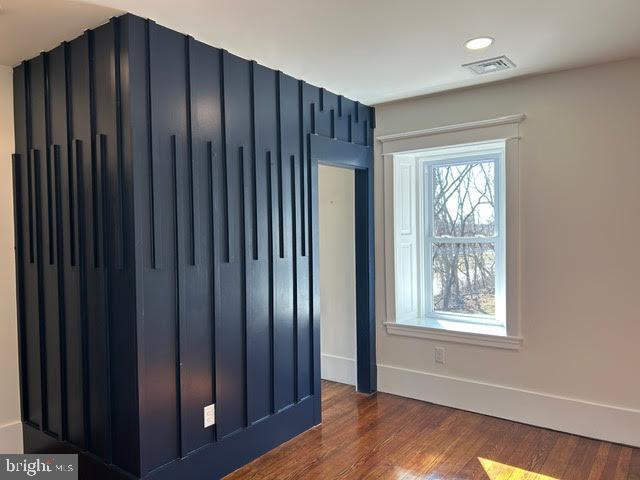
[10, 429]
[580, 264]
[337, 274]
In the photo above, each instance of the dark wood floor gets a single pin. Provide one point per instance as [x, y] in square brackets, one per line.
[389, 437]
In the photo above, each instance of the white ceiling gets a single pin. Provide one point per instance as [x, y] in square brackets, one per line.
[369, 50]
[28, 27]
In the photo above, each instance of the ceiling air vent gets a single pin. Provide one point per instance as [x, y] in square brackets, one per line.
[490, 65]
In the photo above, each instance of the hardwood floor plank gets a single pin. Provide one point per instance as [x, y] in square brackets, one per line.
[397, 450]
[610, 463]
[384, 436]
[532, 456]
[600, 461]
[497, 444]
[580, 463]
[560, 455]
[634, 464]
[622, 467]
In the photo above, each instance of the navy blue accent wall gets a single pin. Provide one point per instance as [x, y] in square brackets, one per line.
[164, 194]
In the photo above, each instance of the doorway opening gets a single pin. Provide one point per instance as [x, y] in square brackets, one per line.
[358, 160]
[338, 310]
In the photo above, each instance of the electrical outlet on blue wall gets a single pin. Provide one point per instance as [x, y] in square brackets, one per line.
[209, 415]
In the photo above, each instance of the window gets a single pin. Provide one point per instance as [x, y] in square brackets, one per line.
[449, 238]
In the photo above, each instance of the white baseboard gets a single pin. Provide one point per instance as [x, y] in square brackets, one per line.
[338, 369]
[11, 438]
[604, 422]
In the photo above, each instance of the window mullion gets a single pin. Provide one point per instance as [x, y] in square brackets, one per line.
[464, 239]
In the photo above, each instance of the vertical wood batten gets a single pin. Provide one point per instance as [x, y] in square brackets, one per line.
[281, 242]
[35, 167]
[192, 195]
[271, 250]
[254, 183]
[50, 229]
[72, 182]
[101, 140]
[245, 313]
[84, 355]
[179, 274]
[281, 247]
[73, 194]
[225, 162]
[58, 265]
[153, 221]
[99, 200]
[62, 326]
[302, 183]
[94, 148]
[294, 256]
[333, 123]
[213, 250]
[119, 237]
[31, 193]
[49, 160]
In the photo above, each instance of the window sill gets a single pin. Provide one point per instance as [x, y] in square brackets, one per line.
[482, 335]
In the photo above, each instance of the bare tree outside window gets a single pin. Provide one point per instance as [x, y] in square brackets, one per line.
[463, 272]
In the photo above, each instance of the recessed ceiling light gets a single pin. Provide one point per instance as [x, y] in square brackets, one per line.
[478, 43]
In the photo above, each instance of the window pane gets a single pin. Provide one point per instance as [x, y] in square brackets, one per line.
[463, 200]
[464, 278]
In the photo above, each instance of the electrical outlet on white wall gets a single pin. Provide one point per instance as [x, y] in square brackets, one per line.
[209, 415]
[439, 355]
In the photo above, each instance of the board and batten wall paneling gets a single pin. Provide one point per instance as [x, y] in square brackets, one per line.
[165, 250]
[242, 191]
[75, 277]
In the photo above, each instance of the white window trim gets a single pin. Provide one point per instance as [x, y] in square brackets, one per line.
[478, 132]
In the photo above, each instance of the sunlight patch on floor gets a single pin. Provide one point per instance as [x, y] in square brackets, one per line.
[501, 471]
